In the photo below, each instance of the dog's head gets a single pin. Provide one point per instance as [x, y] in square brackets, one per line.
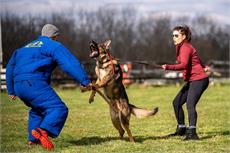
[97, 49]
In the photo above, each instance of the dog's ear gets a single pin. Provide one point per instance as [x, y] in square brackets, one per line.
[93, 43]
[107, 44]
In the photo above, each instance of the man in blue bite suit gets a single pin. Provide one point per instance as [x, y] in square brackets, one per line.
[28, 74]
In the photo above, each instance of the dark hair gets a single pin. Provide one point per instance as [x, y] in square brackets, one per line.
[184, 30]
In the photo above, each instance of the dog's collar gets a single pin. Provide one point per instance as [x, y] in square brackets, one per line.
[103, 59]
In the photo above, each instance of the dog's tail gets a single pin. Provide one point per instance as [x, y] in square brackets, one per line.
[141, 113]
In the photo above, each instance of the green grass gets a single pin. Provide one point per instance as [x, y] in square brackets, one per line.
[89, 129]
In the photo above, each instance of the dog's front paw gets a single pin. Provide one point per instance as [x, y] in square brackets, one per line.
[91, 99]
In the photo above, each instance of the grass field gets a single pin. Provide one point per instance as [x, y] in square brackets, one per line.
[89, 129]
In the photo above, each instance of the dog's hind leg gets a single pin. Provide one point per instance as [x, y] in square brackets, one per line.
[124, 117]
[125, 124]
[116, 122]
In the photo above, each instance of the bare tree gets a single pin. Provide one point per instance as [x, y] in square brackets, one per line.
[132, 37]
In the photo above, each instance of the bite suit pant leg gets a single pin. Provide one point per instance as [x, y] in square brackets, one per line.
[47, 110]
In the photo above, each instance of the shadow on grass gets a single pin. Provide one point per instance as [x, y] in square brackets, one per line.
[92, 140]
[209, 135]
[141, 139]
[98, 140]
[138, 139]
[215, 133]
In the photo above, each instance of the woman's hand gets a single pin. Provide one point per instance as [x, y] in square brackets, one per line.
[163, 66]
[207, 69]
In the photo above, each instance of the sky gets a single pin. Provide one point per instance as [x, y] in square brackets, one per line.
[219, 10]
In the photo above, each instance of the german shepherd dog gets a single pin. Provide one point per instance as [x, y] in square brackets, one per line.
[109, 77]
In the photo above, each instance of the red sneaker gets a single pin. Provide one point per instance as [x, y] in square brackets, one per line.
[42, 136]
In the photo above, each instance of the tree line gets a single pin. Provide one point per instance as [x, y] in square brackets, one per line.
[132, 37]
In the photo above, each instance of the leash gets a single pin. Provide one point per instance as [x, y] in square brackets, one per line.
[111, 61]
[147, 63]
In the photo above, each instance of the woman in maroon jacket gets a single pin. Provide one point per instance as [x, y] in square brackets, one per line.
[196, 82]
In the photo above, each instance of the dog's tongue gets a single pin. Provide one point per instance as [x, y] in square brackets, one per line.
[93, 54]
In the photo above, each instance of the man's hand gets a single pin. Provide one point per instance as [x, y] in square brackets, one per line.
[12, 97]
[86, 88]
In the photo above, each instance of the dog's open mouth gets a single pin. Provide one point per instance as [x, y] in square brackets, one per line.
[94, 51]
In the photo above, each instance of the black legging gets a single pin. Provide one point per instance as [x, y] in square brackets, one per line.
[190, 93]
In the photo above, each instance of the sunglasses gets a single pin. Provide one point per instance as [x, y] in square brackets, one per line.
[176, 35]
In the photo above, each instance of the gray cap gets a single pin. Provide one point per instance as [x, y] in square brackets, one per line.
[50, 30]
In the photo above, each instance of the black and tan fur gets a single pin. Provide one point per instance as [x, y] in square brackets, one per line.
[109, 77]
